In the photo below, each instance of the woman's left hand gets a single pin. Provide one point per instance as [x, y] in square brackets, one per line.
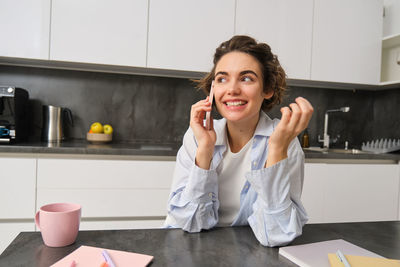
[294, 120]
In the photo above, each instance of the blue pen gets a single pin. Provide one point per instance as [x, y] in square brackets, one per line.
[107, 258]
[342, 258]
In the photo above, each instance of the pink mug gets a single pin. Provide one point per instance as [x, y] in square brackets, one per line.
[59, 223]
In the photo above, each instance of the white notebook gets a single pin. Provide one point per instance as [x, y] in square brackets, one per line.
[316, 254]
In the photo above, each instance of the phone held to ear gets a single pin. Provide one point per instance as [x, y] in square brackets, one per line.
[208, 113]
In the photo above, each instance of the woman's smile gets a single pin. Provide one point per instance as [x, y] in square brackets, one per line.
[235, 104]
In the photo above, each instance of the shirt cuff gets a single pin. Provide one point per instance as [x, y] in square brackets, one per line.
[202, 185]
[272, 184]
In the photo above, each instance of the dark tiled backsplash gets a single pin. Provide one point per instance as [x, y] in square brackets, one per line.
[156, 109]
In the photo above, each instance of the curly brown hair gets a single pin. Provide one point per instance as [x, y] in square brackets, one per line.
[274, 77]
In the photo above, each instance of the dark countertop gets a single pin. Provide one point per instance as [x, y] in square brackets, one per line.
[85, 147]
[226, 246]
[149, 148]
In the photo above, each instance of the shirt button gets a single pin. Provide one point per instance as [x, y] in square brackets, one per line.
[210, 195]
[254, 163]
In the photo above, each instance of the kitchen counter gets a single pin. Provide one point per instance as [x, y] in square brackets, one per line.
[84, 147]
[221, 246]
[148, 149]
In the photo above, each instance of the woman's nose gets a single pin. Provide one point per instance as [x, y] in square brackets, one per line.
[233, 88]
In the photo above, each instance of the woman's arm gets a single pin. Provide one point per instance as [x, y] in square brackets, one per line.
[278, 215]
[193, 201]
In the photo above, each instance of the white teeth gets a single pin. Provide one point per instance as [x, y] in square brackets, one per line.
[235, 103]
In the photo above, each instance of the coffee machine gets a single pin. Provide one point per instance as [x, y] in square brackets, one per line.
[13, 114]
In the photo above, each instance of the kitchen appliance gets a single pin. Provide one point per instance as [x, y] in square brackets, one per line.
[54, 121]
[13, 114]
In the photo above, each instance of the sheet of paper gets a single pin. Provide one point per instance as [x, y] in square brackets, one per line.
[362, 261]
[316, 254]
[91, 256]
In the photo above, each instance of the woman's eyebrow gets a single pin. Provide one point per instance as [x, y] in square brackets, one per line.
[247, 72]
[241, 73]
[221, 72]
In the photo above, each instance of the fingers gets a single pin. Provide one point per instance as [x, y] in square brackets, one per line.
[306, 113]
[295, 119]
[198, 111]
[286, 114]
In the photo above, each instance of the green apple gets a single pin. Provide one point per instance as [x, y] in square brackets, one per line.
[108, 129]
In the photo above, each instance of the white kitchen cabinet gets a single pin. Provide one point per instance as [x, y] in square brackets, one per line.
[99, 31]
[108, 190]
[17, 185]
[183, 34]
[391, 19]
[24, 28]
[17, 198]
[10, 230]
[285, 25]
[390, 72]
[351, 192]
[347, 41]
[313, 192]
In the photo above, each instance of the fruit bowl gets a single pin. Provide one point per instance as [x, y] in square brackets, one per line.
[99, 138]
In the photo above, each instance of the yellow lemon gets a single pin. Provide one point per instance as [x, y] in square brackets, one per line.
[96, 127]
[108, 129]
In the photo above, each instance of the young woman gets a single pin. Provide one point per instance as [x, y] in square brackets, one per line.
[248, 169]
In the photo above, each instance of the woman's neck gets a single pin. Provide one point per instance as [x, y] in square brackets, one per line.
[239, 133]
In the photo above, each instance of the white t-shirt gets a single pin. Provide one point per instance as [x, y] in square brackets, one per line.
[231, 180]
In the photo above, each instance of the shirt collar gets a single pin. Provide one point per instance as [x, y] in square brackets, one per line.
[265, 127]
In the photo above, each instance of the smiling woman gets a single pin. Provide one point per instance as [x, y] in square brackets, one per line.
[247, 168]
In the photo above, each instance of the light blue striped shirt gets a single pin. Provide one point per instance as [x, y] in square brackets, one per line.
[270, 198]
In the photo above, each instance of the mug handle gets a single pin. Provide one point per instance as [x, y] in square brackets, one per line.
[37, 221]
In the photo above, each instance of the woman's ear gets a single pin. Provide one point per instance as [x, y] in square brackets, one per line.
[269, 94]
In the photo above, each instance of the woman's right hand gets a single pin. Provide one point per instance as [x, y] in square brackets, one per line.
[205, 138]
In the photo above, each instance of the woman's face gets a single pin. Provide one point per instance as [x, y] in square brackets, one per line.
[238, 87]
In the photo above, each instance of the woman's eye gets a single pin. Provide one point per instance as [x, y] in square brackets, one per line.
[247, 79]
[221, 80]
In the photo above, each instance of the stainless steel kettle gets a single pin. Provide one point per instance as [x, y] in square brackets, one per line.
[54, 119]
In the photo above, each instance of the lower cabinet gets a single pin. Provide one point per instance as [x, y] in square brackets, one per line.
[129, 194]
[11, 228]
[351, 192]
[114, 194]
[17, 198]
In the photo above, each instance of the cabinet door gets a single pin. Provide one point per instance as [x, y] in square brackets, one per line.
[183, 34]
[107, 188]
[24, 28]
[17, 198]
[99, 31]
[9, 231]
[361, 192]
[17, 184]
[285, 25]
[347, 41]
[313, 191]
[351, 192]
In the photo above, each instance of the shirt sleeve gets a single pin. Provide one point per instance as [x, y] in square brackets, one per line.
[278, 215]
[193, 201]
